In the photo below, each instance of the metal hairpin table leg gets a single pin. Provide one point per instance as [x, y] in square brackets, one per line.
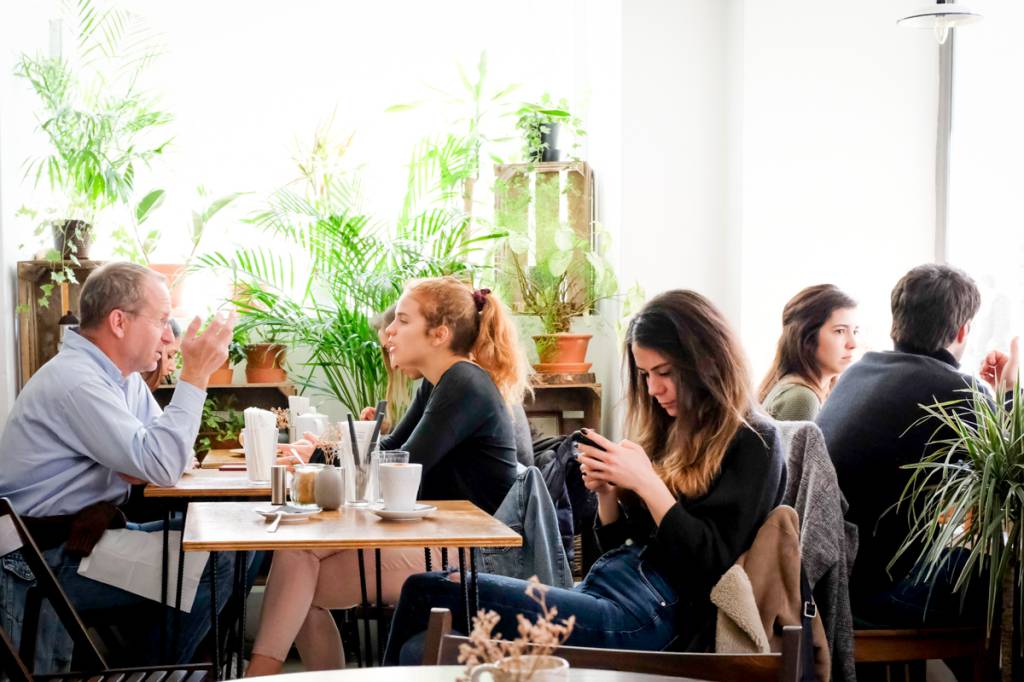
[444, 559]
[464, 588]
[473, 585]
[214, 630]
[367, 650]
[181, 576]
[380, 609]
[164, 574]
[426, 559]
[240, 589]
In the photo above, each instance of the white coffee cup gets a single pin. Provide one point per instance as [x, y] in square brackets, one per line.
[399, 484]
[535, 668]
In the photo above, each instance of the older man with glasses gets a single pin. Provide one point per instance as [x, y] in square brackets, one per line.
[83, 429]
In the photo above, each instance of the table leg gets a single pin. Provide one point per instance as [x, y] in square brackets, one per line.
[464, 589]
[473, 585]
[214, 629]
[164, 575]
[426, 559]
[444, 559]
[380, 609]
[176, 628]
[367, 650]
[240, 589]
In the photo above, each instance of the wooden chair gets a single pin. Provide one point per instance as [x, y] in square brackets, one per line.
[442, 648]
[14, 536]
[911, 645]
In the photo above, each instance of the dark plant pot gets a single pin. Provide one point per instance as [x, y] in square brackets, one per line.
[72, 233]
[562, 353]
[263, 363]
[550, 142]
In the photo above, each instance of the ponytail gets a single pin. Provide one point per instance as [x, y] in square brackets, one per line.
[481, 328]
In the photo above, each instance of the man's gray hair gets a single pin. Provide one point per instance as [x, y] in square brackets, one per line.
[114, 286]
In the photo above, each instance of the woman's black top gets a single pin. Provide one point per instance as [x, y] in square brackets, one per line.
[461, 432]
[700, 538]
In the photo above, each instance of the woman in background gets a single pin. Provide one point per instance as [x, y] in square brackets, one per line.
[819, 335]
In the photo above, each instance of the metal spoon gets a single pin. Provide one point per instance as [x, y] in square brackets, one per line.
[277, 519]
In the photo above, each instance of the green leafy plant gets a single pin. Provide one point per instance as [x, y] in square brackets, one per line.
[343, 267]
[536, 119]
[98, 124]
[563, 280]
[968, 493]
[219, 423]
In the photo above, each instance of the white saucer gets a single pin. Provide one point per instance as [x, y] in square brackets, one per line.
[288, 513]
[421, 511]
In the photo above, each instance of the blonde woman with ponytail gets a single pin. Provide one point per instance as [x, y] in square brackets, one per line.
[677, 503]
[459, 427]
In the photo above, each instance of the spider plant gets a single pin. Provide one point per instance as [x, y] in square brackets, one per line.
[968, 493]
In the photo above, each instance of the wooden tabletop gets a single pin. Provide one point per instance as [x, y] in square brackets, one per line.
[211, 483]
[230, 526]
[215, 458]
[448, 673]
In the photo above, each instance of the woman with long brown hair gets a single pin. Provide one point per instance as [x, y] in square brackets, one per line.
[819, 335]
[459, 428]
[677, 503]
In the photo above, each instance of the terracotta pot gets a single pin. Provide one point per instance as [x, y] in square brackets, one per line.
[64, 236]
[230, 444]
[224, 375]
[263, 363]
[175, 275]
[562, 353]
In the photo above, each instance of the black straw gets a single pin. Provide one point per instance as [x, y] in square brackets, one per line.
[381, 407]
[355, 441]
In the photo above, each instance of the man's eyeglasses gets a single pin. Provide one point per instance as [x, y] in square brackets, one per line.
[161, 323]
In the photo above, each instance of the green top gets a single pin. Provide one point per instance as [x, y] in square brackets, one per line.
[791, 402]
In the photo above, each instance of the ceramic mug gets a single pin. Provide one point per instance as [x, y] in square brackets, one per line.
[522, 668]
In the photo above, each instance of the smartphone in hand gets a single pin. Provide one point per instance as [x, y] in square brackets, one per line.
[580, 438]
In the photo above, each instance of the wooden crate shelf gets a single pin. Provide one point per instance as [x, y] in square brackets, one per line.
[38, 317]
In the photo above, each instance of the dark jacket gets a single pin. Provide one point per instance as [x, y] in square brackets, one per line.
[869, 426]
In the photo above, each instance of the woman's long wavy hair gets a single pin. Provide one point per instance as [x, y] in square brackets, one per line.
[487, 336]
[796, 353]
[714, 397]
[399, 389]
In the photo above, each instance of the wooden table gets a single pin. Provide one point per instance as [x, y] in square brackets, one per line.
[210, 484]
[236, 527]
[215, 458]
[448, 673]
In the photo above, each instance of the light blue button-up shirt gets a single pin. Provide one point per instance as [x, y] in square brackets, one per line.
[78, 423]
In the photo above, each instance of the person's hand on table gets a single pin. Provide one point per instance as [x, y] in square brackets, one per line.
[303, 447]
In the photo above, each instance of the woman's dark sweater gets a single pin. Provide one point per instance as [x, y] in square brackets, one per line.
[700, 538]
[461, 432]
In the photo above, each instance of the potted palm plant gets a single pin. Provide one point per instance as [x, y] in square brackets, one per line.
[566, 280]
[968, 493]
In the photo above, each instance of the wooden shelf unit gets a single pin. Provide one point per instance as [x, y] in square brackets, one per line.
[38, 317]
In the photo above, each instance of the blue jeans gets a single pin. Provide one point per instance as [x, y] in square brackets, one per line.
[623, 603]
[911, 602]
[54, 645]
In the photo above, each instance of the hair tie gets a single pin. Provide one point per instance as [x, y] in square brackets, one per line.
[480, 297]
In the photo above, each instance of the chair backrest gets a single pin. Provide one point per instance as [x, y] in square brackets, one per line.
[442, 648]
[15, 536]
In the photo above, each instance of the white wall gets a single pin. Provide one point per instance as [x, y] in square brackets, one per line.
[838, 136]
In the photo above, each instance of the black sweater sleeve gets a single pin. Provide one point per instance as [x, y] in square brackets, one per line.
[699, 539]
[410, 419]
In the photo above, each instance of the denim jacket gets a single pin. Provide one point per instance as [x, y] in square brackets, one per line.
[528, 510]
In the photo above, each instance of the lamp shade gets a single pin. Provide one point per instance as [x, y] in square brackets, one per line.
[940, 18]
